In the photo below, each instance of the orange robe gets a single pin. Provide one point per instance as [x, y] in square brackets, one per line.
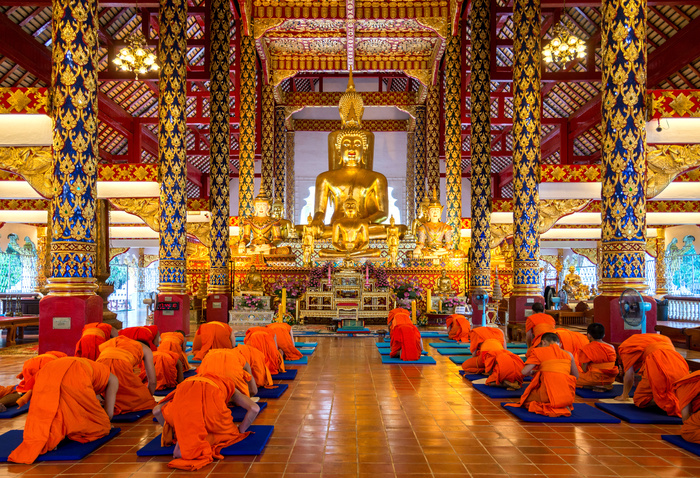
[227, 363]
[264, 341]
[173, 342]
[400, 319]
[284, 340]
[393, 313]
[406, 341]
[660, 366]
[502, 365]
[687, 390]
[572, 342]
[538, 331]
[147, 333]
[553, 388]
[476, 363]
[94, 335]
[165, 364]
[65, 406]
[461, 328]
[539, 318]
[30, 369]
[211, 335]
[256, 360]
[601, 370]
[122, 355]
[197, 417]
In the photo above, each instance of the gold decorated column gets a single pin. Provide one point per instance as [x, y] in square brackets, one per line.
[480, 18]
[432, 138]
[661, 287]
[419, 147]
[410, 177]
[280, 154]
[220, 138]
[289, 189]
[246, 160]
[267, 140]
[453, 134]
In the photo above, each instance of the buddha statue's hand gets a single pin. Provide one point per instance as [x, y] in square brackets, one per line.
[241, 248]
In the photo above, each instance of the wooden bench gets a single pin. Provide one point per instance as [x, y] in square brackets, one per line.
[15, 326]
[676, 331]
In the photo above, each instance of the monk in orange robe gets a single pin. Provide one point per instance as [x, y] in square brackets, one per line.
[285, 340]
[263, 340]
[553, 388]
[503, 367]
[538, 317]
[396, 312]
[597, 361]
[148, 333]
[175, 342]
[572, 342]
[458, 328]
[197, 419]
[537, 332]
[20, 394]
[66, 406]
[406, 342]
[477, 364]
[94, 335]
[256, 359]
[660, 366]
[122, 355]
[687, 390]
[231, 364]
[169, 371]
[212, 335]
[476, 338]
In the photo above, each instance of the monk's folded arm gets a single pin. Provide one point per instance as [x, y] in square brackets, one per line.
[685, 412]
[527, 369]
[252, 410]
[150, 368]
[111, 395]
[180, 371]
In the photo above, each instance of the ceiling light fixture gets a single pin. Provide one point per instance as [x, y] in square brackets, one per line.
[136, 56]
[564, 46]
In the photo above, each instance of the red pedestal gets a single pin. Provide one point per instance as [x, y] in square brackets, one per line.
[62, 318]
[218, 306]
[607, 312]
[518, 305]
[477, 311]
[172, 320]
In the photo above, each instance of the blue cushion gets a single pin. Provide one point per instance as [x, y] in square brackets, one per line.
[67, 450]
[305, 344]
[12, 412]
[433, 333]
[253, 444]
[629, 412]
[302, 361]
[426, 360]
[459, 351]
[272, 392]
[163, 393]
[582, 413]
[388, 351]
[130, 416]
[306, 351]
[238, 413]
[681, 442]
[288, 375]
[190, 373]
[615, 392]
[497, 392]
[191, 360]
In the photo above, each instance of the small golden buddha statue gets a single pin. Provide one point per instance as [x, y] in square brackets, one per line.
[350, 235]
[434, 237]
[421, 215]
[261, 233]
[307, 242]
[286, 228]
[443, 286]
[253, 283]
[574, 287]
[392, 241]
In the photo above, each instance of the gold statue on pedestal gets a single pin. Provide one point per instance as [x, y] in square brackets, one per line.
[421, 215]
[307, 242]
[261, 233]
[286, 228]
[253, 283]
[443, 286]
[574, 287]
[392, 241]
[350, 235]
[434, 237]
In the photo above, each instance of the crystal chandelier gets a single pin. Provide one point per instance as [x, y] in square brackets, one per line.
[563, 47]
[136, 56]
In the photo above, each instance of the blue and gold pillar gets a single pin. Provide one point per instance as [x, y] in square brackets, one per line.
[289, 170]
[246, 140]
[218, 299]
[623, 233]
[410, 177]
[480, 18]
[527, 100]
[453, 134]
[280, 154]
[72, 302]
[172, 157]
[267, 139]
[432, 138]
[419, 147]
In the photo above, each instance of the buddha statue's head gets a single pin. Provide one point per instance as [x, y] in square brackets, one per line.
[351, 145]
[392, 221]
[434, 208]
[261, 205]
[277, 210]
[350, 207]
[423, 209]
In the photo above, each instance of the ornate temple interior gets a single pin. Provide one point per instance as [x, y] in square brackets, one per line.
[326, 163]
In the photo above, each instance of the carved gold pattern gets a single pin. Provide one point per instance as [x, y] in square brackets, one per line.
[439, 24]
[280, 154]
[263, 25]
[289, 189]
[661, 287]
[453, 135]
[410, 178]
[267, 140]
[668, 161]
[278, 76]
[590, 254]
[247, 127]
[24, 100]
[34, 164]
[420, 154]
[424, 76]
[432, 138]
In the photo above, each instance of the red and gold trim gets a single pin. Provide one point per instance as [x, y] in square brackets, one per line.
[31, 101]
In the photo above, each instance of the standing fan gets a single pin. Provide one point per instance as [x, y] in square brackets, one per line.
[150, 302]
[548, 295]
[633, 310]
[560, 299]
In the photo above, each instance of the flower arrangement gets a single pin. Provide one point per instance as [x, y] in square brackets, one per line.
[406, 289]
[453, 302]
[251, 302]
[295, 289]
[319, 274]
[378, 273]
[289, 319]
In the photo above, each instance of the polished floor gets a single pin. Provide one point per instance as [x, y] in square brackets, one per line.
[348, 415]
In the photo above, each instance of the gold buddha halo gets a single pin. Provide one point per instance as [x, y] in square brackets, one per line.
[351, 107]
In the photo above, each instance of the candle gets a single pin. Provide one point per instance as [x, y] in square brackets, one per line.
[280, 314]
[413, 311]
[284, 300]
[329, 275]
[366, 274]
[430, 298]
[439, 306]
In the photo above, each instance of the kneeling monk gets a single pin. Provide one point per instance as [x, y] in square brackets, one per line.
[660, 367]
[212, 335]
[94, 334]
[175, 342]
[572, 342]
[122, 355]
[597, 361]
[256, 359]
[263, 340]
[406, 342]
[458, 328]
[20, 394]
[146, 333]
[537, 318]
[687, 390]
[169, 370]
[65, 405]
[197, 419]
[503, 367]
[231, 364]
[477, 338]
[285, 340]
[398, 316]
[553, 388]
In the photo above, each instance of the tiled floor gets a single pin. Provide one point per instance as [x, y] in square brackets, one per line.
[348, 415]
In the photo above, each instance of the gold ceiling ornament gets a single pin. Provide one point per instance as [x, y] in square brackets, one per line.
[416, 45]
[438, 24]
[564, 45]
[374, 46]
[590, 253]
[681, 105]
[499, 233]
[666, 162]
[263, 25]
[278, 76]
[327, 46]
[651, 246]
[34, 164]
[425, 77]
[411, 111]
[200, 230]
[136, 56]
[551, 210]
[285, 45]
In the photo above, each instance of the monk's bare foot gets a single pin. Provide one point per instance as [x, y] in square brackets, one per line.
[2, 408]
[622, 398]
[176, 452]
[512, 385]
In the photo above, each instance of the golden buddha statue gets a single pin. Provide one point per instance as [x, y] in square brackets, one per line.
[434, 237]
[443, 286]
[286, 228]
[261, 233]
[574, 287]
[392, 241]
[350, 235]
[253, 283]
[421, 215]
[307, 242]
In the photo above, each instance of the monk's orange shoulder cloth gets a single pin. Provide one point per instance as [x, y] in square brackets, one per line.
[572, 342]
[480, 334]
[687, 390]
[147, 334]
[601, 370]
[29, 371]
[461, 328]
[211, 335]
[165, 364]
[539, 318]
[94, 334]
[263, 340]
[282, 332]
[501, 364]
[227, 363]
[173, 342]
[406, 338]
[256, 359]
